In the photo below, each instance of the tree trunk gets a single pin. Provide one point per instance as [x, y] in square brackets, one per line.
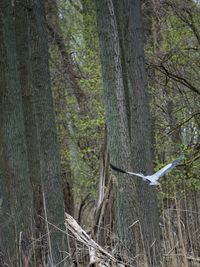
[116, 117]
[16, 218]
[140, 126]
[47, 136]
[129, 124]
[23, 45]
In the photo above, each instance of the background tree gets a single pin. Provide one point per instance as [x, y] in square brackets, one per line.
[77, 95]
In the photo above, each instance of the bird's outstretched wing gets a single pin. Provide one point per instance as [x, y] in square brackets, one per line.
[138, 174]
[168, 167]
[130, 173]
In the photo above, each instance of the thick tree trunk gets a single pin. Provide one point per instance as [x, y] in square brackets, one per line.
[117, 121]
[23, 46]
[129, 124]
[47, 136]
[16, 218]
[132, 45]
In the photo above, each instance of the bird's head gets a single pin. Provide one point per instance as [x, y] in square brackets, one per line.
[155, 183]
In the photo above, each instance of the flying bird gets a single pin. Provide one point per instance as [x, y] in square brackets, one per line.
[152, 179]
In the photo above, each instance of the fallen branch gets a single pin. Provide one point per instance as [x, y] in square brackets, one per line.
[97, 254]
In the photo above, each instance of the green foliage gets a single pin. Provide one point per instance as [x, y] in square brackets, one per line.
[80, 133]
[173, 71]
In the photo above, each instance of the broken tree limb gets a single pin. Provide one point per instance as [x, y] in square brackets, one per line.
[97, 254]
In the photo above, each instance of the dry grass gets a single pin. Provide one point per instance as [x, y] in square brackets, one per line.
[180, 231]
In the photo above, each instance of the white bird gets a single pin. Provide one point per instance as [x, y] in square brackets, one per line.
[152, 179]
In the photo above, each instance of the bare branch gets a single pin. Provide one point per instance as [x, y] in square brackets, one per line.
[184, 122]
[175, 77]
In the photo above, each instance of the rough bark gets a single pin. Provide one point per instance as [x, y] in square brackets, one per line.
[16, 219]
[116, 116]
[141, 132]
[147, 15]
[23, 46]
[47, 136]
[128, 121]
[132, 45]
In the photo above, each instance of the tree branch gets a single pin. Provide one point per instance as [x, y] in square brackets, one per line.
[184, 122]
[175, 77]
